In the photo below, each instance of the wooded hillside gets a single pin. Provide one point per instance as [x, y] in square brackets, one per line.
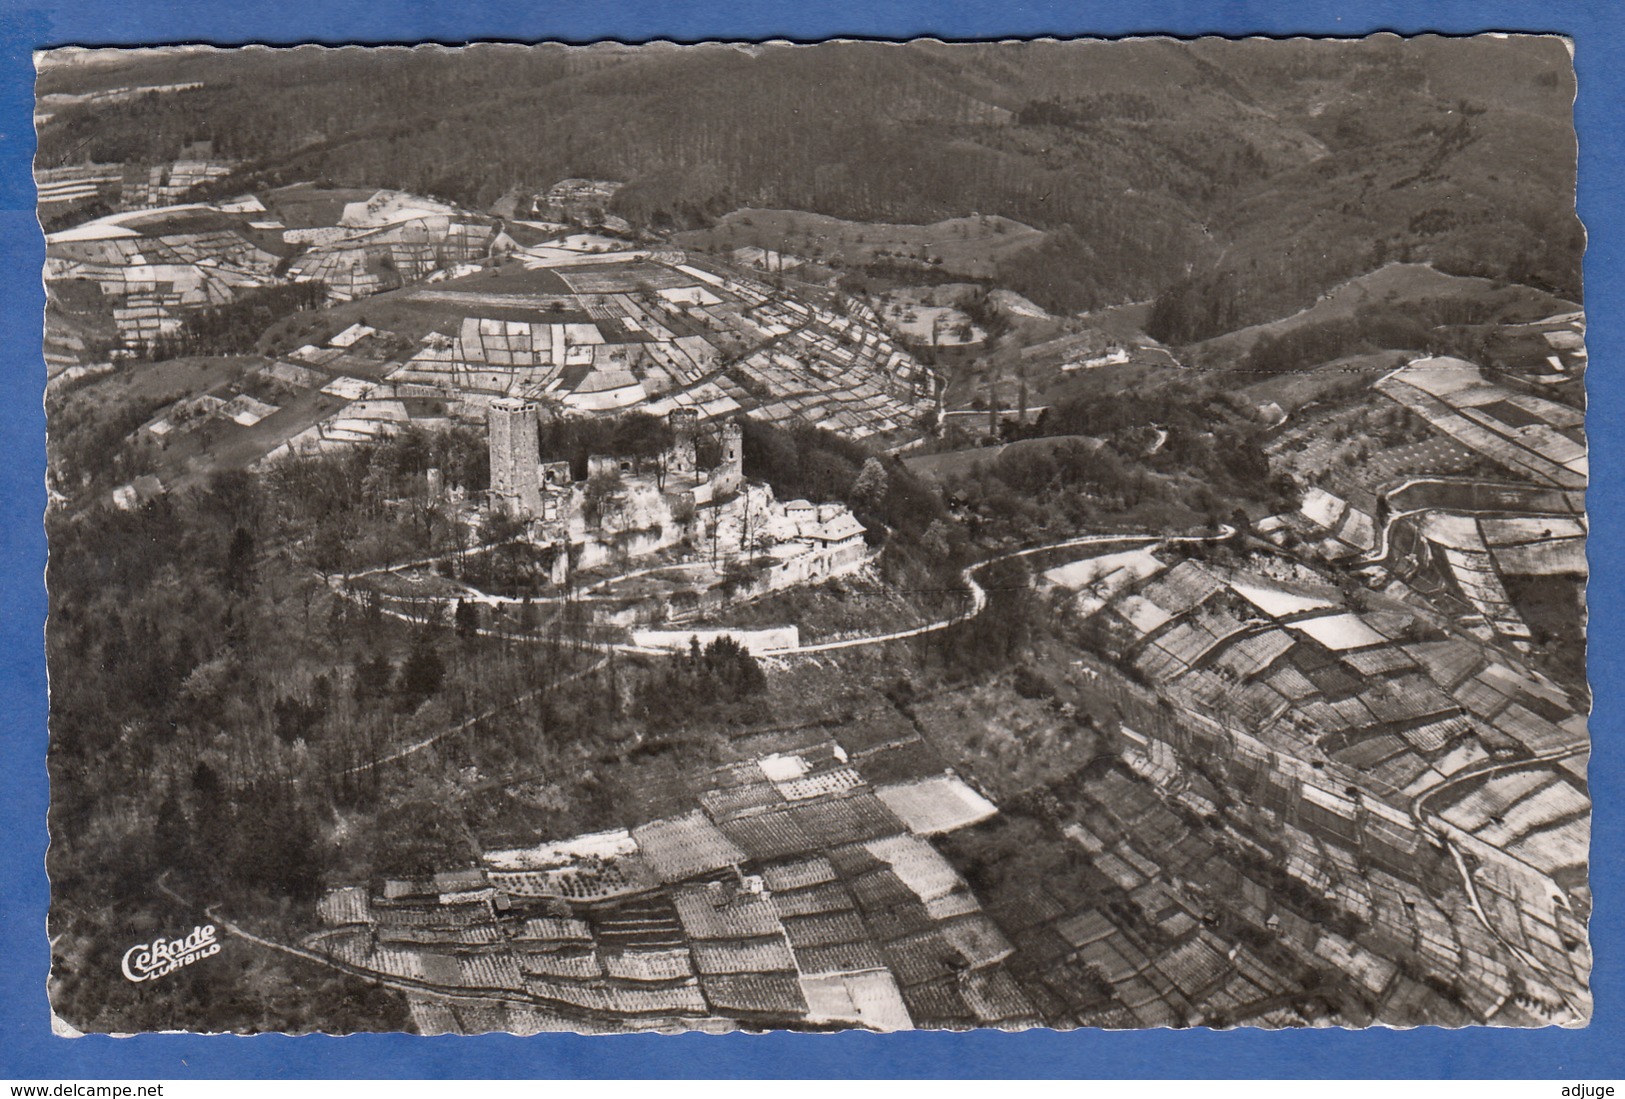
[1235, 180]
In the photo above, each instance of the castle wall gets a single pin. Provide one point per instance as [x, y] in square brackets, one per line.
[598, 551]
[606, 465]
[817, 564]
[813, 565]
[756, 641]
[685, 426]
[635, 504]
[634, 517]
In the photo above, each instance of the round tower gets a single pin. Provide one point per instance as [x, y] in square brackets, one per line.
[730, 473]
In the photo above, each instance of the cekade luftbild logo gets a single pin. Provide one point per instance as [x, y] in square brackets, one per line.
[161, 957]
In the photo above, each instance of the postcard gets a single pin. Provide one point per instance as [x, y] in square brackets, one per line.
[861, 535]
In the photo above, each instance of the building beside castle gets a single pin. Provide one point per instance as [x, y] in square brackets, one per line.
[629, 509]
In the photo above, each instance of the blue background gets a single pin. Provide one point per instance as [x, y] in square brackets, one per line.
[29, 1051]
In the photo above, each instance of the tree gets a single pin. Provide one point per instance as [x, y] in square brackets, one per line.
[423, 672]
[294, 718]
[275, 844]
[372, 676]
[869, 489]
[937, 542]
[466, 618]
[499, 528]
[338, 622]
[600, 492]
[172, 844]
[239, 567]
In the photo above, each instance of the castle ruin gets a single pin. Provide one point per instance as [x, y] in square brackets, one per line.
[629, 509]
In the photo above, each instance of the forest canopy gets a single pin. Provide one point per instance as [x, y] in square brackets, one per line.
[1205, 168]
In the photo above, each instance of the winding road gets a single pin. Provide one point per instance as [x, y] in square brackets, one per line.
[1452, 837]
[339, 582]
[522, 697]
[1425, 818]
[1527, 508]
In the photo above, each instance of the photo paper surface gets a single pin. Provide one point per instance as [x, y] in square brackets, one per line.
[863, 535]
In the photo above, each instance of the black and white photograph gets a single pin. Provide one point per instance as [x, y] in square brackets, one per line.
[867, 535]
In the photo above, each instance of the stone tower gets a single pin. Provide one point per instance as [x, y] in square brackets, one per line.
[515, 456]
[730, 474]
[685, 426]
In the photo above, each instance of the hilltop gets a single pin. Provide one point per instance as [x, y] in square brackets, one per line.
[1409, 288]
